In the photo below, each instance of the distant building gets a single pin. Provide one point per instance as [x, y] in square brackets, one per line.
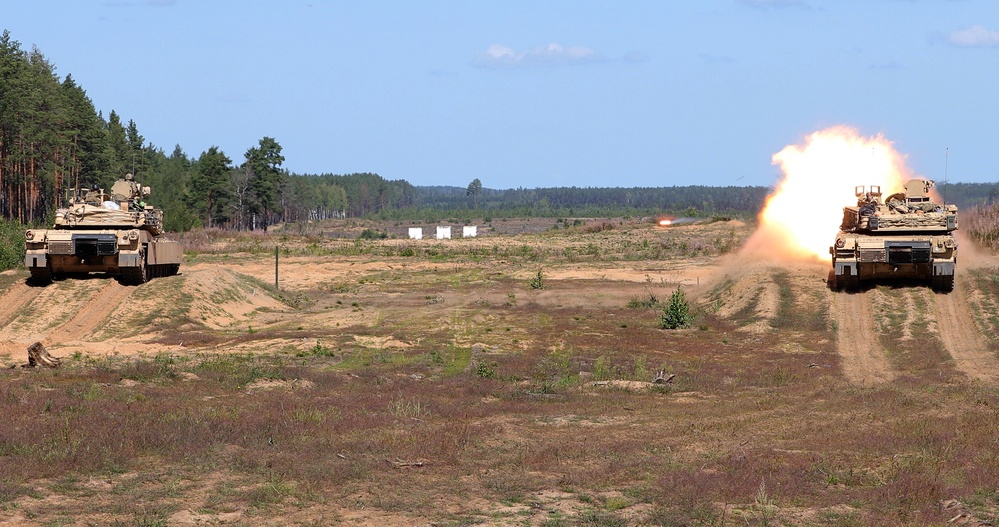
[443, 233]
[416, 233]
[469, 231]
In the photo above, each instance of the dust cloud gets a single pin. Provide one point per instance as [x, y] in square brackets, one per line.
[803, 214]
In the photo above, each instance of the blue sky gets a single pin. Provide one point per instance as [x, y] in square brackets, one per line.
[537, 93]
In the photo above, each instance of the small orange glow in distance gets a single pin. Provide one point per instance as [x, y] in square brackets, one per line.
[665, 222]
[802, 216]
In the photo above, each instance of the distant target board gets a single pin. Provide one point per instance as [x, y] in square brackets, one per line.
[444, 232]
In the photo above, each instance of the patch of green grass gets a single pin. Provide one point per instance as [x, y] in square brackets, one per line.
[238, 370]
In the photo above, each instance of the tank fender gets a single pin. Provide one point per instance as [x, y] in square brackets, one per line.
[35, 259]
[846, 268]
[164, 252]
[943, 268]
[129, 259]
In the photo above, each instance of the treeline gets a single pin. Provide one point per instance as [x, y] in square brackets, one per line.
[50, 136]
[968, 195]
[52, 139]
[693, 200]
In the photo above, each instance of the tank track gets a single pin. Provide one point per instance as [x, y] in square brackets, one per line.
[141, 275]
[846, 282]
[40, 276]
[943, 283]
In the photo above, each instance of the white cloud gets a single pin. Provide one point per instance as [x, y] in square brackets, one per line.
[975, 36]
[500, 56]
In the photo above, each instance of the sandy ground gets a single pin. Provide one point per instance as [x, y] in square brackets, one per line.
[229, 298]
[97, 316]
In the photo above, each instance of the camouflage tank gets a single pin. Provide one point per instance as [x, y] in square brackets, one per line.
[99, 232]
[906, 236]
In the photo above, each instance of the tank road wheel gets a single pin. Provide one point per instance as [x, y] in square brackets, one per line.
[943, 283]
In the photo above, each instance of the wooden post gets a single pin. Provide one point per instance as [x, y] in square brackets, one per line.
[276, 268]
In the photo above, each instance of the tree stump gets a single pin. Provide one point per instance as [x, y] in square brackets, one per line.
[37, 354]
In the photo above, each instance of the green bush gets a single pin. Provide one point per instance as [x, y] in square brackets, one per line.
[373, 234]
[537, 281]
[677, 313]
[11, 244]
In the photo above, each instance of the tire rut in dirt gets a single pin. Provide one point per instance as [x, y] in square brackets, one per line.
[864, 360]
[100, 306]
[961, 337]
[14, 299]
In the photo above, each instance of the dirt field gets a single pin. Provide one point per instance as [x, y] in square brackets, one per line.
[500, 380]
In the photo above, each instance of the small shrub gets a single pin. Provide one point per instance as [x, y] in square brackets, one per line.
[537, 281]
[485, 371]
[677, 313]
[373, 234]
[319, 350]
[645, 303]
[599, 227]
[602, 370]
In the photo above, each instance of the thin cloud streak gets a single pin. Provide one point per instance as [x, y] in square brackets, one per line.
[500, 56]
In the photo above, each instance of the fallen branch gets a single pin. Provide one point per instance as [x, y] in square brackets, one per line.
[398, 463]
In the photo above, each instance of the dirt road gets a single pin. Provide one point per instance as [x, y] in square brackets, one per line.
[961, 336]
[864, 360]
[99, 307]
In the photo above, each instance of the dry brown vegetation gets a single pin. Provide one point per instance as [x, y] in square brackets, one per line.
[398, 382]
[983, 224]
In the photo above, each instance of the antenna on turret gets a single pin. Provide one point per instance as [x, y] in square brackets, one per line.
[946, 168]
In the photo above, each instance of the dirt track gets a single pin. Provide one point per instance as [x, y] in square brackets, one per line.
[961, 336]
[99, 307]
[14, 299]
[864, 361]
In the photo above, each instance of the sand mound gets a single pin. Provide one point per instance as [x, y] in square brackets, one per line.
[221, 298]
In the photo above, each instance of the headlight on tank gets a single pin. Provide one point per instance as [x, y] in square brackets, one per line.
[133, 235]
[28, 235]
[840, 243]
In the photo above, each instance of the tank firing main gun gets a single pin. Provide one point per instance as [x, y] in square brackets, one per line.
[907, 235]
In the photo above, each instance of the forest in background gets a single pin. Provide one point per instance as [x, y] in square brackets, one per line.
[53, 139]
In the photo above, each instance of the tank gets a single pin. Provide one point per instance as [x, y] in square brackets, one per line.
[99, 232]
[906, 236]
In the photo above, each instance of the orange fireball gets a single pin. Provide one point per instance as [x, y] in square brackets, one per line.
[802, 215]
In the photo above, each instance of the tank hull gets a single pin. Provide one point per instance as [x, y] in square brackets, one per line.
[861, 258]
[131, 254]
[906, 236]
